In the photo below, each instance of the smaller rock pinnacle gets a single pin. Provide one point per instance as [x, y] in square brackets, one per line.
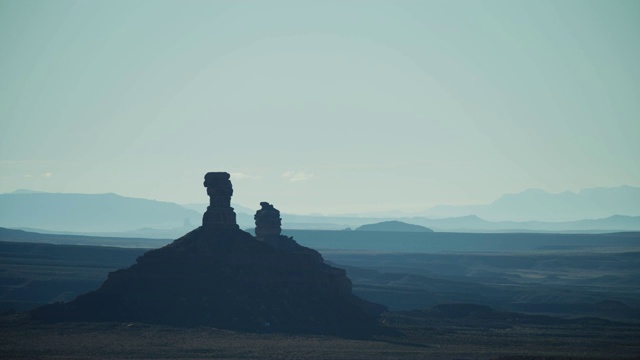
[268, 222]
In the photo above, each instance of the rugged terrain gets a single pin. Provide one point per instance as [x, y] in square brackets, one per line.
[221, 276]
[418, 336]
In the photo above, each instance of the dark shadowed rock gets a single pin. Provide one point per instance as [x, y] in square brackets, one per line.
[218, 275]
[268, 221]
[219, 214]
[269, 228]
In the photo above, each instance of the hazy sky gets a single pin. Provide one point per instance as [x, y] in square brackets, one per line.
[320, 106]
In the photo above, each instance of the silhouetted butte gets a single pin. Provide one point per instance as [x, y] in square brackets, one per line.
[218, 275]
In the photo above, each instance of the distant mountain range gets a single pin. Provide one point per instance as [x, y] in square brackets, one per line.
[539, 205]
[590, 210]
[91, 212]
[474, 223]
[394, 226]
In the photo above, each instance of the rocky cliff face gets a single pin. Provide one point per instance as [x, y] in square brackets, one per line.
[218, 275]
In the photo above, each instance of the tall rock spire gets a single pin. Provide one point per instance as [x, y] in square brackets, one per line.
[219, 214]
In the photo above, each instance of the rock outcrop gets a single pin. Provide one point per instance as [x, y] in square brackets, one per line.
[268, 222]
[269, 229]
[219, 215]
[218, 275]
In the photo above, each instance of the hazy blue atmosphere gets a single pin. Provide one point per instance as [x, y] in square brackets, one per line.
[320, 107]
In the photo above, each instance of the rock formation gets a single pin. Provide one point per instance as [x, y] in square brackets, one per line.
[269, 230]
[219, 215]
[218, 275]
[268, 221]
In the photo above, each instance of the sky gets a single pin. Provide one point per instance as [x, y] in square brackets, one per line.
[325, 107]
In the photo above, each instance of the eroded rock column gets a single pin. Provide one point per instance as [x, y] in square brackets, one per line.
[219, 214]
[268, 222]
